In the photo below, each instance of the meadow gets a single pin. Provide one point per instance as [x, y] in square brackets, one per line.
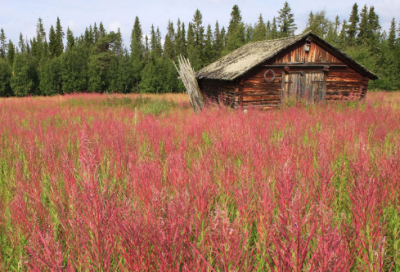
[88, 183]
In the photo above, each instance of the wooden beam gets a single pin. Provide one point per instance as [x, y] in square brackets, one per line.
[285, 66]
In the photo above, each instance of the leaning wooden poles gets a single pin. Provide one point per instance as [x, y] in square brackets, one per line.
[186, 73]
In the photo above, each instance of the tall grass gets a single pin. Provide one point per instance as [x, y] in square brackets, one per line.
[304, 188]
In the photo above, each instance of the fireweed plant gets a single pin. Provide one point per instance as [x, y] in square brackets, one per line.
[302, 188]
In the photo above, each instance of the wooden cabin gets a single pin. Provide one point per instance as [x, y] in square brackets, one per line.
[264, 73]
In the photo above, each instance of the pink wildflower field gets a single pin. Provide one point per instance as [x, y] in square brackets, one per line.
[87, 186]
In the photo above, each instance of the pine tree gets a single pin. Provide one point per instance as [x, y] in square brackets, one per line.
[3, 42]
[392, 35]
[10, 53]
[260, 31]
[332, 36]
[286, 24]
[352, 27]
[236, 31]
[59, 39]
[21, 44]
[70, 39]
[170, 43]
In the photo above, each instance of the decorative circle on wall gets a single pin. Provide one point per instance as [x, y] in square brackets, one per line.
[269, 71]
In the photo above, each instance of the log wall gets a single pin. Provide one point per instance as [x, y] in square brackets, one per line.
[220, 91]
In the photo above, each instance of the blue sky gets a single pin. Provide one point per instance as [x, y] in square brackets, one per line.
[22, 15]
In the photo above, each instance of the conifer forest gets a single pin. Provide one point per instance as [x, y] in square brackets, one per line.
[58, 61]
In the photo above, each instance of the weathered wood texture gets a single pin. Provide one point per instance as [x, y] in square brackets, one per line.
[296, 53]
[345, 84]
[220, 91]
[314, 84]
[258, 92]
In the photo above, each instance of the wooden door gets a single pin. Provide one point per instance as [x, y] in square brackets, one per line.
[308, 85]
[292, 85]
[315, 86]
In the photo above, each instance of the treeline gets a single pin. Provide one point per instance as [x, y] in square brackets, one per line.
[97, 61]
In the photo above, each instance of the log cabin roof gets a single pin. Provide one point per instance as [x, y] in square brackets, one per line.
[241, 60]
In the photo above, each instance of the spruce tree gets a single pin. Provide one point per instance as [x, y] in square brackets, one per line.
[286, 24]
[21, 44]
[170, 43]
[137, 51]
[268, 30]
[40, 40]
[59, 39]
[180, 39]
[373, 30]
[102, 30]
[198, 30]
[223, 37]
[70, 39]
[274, 29]
[236, 31]
[392, 35]
[52, 42]
[208, 49]
[343, 35]
[363, 26]
[260, 31]
[218, 43]
[352, 27]
[10, 53]
[191, 48]
[3, 43]
[96, 33]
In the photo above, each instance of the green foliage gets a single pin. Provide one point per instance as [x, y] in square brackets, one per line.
[286, 24]
[24, 77]
[260, 31]
[74, 71]
[51, 77]
[236, 31]
[318, 24]
[5, 76]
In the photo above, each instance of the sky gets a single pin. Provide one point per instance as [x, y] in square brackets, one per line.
[21, 16]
